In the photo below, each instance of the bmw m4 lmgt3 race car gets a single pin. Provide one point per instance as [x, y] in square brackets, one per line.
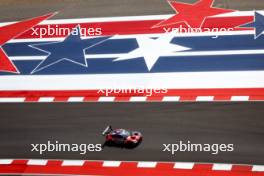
[122, 137]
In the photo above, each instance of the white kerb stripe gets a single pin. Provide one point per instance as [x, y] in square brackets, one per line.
[138, 99]
[171, 98]
[37, 162]
[76, 99]
[190, 80]
[257, 168]
[11, 100]
[225, 167]
[239, 98]
[205, 98]
[106, 99]
[73, 163]
[111, 163]
[147, 164]
[105, 19]
[6, 161]
[180, 165]
[46, 99]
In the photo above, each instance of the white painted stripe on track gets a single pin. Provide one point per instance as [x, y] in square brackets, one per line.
[182, 165]
[107, 19]
[6, 161]
[177, 54]
[177, 80]
[138, 99]
[73, 163]
[11, 100]
[146, 164]
[258, 168]
[111, 163]
[106, 99]
[205, 98]
[39, 162]
[238, 14]
[46, 99]
[76, 99]
[225, 167]
[212, 34]
[185, 53]
[239, 98]
[171, 98]
[25, 58]
[99, 19]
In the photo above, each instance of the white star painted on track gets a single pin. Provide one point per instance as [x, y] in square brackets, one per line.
[152, 49]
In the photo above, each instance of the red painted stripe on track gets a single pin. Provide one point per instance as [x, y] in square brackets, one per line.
[140, 26]
[125, 168]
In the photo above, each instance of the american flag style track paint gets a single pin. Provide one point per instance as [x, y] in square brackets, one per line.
[222, 61]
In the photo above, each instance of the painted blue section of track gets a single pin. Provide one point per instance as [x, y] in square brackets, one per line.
[164, 64]
[235, 42]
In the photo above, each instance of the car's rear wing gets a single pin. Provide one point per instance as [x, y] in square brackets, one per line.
[107, 130]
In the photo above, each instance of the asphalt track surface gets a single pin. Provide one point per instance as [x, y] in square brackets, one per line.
[11, 10]
[22, 124]
[240, 124]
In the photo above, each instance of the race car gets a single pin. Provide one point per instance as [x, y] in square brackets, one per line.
[122, 137]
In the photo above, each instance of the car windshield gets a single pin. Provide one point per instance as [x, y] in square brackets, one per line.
[122, 132]
[125, 133]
